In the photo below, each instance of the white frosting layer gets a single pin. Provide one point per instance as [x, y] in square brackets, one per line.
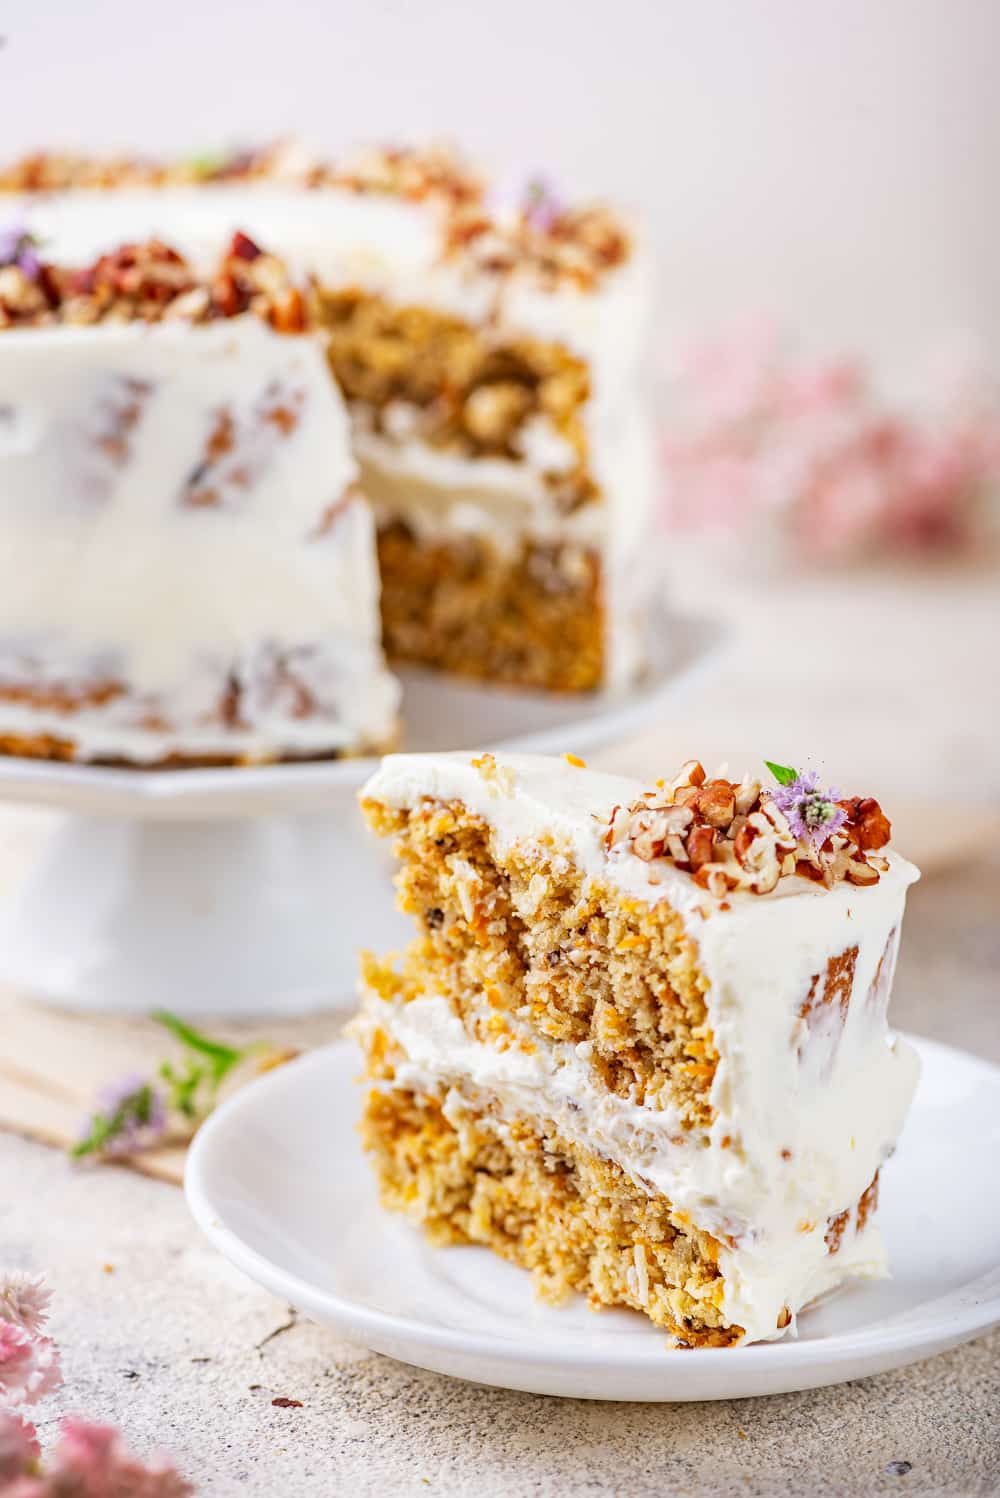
[807, 1116]
[114, 566]
[383, 244]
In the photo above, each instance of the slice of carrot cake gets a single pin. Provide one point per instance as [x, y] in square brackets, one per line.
[488, 342]
[188, 570]
[639, 1045]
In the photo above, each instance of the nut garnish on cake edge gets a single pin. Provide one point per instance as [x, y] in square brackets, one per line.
[145, 282]
[731, 835]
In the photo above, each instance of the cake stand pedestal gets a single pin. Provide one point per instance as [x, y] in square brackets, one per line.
[248, 892]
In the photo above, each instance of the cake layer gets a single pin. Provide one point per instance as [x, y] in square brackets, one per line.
[535, 618]
[474, 1165]
[468, 1173]
[421, 375]
[728, 1052]
[188, 569]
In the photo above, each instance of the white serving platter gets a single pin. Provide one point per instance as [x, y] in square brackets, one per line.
[247, 892]
[277, 1181]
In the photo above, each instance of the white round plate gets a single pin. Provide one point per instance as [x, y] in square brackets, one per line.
[247, 892]
[277, 1181]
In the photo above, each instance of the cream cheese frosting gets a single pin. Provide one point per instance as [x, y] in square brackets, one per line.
[374, 241]
[801, 1121]
[116, 566]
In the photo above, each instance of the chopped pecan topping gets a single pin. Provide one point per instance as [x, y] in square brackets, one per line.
[733, 835]
[574, 245]
[151, 282]
[867, 826]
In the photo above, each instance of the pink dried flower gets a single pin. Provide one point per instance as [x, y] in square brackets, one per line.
[813, 448]
[24, 1301]
[92, 1461]
[19, 1448]
[29, 1366]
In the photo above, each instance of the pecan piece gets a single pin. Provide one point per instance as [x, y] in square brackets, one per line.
[715, 803]
[761, 846]
[692, 772]
[288, 312]
[229, 297]
[867, 825]
[701, 846]
[242, 247]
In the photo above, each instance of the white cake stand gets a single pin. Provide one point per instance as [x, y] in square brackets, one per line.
[247, 892]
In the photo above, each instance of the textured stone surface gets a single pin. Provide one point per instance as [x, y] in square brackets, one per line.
[161, 1336]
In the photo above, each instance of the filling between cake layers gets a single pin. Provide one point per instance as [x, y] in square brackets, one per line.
[521, 1160]
[470, 1174]
[707, 1098]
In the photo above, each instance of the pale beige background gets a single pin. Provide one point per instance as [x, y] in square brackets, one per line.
[830, 165]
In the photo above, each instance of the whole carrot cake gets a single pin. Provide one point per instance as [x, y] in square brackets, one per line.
[486, 337]
[187, 567]
[639, 1045]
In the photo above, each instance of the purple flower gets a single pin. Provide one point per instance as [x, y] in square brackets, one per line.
[813, 815]
[18, 246]
[530, 196]
[541, 204]
[131, 1116]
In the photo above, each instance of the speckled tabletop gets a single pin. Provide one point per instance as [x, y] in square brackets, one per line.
[161, 1336]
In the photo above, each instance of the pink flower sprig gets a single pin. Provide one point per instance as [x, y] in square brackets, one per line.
[29, 1366]
[89, 1461]
[760, 440]
[29, 1360]
[24, 1301]
[812, 815]
[19, 1449]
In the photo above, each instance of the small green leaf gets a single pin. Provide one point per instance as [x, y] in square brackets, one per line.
[183, 1086]
[221, 1055]
[208, 163]
[783, 774]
